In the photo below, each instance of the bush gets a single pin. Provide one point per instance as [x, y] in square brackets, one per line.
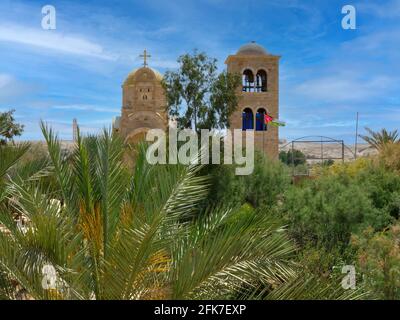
[382, 187]
[322, 262]
[377, 180]
[328, 210]
[389, 157]
[379, 260]
[268, 182]
[226, 187]
[261, 189]
[351, 168]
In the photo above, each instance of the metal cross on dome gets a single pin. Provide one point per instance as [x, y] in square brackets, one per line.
[145, 56]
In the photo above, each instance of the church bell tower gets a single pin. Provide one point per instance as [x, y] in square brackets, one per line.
[259, 95]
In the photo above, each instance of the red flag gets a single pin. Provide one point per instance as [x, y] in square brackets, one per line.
[268, 118]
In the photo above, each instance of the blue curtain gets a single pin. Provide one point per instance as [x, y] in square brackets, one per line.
[260, 122]
[247, 121]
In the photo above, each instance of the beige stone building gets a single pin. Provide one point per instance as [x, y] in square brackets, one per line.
[143, 104]
[143, 99]
[259, 94]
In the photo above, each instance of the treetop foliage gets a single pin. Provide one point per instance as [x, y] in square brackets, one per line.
[198, 97]
[8, 127]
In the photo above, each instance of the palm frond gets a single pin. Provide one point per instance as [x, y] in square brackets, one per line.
[308, 287]
[218, 253]
[378, 139]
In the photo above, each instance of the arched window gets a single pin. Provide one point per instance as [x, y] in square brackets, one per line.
[247, 119]
[260, 120]
[261, 81]
[248, 81]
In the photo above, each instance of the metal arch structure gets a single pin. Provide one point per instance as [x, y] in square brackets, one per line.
[320, 140]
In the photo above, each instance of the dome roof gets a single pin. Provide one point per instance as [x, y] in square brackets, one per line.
[252, 49]
[136, 72]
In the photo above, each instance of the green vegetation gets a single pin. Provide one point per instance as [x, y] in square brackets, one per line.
[379, 259]
[93, 221]
[8, 127]
[193, 232]
[198, 97]
[295, 157]
[379, 139]
[261, 189]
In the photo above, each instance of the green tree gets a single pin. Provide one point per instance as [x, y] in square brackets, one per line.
[378, 139]
[290, 157]
[9, 156]
[197, 96]
[8, 127]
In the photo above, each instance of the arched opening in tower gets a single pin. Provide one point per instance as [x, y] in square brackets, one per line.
[247, 119]
[248, 81]
[261, 81]
[260, 120]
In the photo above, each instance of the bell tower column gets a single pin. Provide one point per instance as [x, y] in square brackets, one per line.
[259, 95]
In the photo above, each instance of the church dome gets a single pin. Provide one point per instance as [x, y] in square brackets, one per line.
[252, 49]
[140, 71]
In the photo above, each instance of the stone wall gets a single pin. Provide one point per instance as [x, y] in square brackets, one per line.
[268, 141]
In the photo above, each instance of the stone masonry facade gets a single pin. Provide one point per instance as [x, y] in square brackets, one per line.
[144, 102]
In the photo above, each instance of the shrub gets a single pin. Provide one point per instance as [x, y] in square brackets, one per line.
[322, 262]
[296, 157]
[379, 260]
[328, 210]
[269, 180]
[382, 187]
[389, 157]
[351, 168]
[261, 189]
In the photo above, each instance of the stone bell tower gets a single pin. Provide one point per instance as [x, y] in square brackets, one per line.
[143, 104]
[259, 94]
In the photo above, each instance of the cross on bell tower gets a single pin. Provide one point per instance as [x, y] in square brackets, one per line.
[145, 56]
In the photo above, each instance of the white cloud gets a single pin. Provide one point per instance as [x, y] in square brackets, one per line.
[390, 9]
[5, 79]
[11, 88]
[53, 40]
[344, 88]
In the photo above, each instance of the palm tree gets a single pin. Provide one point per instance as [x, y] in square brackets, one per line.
[107, 232]
[378, 139]
[9, 156]
[103, 231]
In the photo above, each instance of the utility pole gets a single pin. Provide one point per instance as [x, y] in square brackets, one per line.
[356, 142]
[74, 130]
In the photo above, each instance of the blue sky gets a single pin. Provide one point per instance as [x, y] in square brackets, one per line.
[327, 73]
